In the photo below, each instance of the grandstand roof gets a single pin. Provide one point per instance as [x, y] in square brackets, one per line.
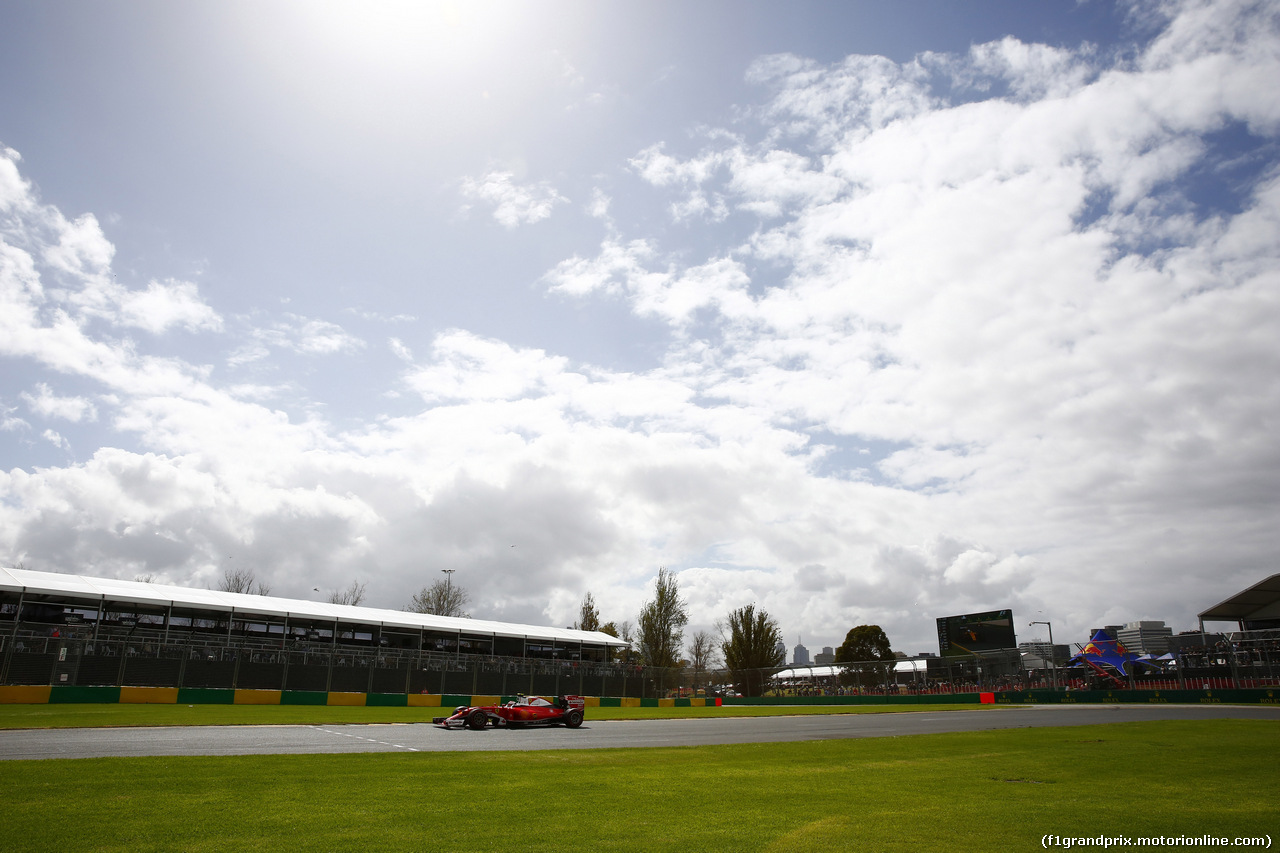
[162, 595]
[831, 670]
[1260, 601]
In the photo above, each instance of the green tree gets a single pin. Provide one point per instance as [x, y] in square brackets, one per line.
[243, 581]
[702, 652]
[750, 647]
[352, 595]
[442, 598]
[624, 632]
[588, 615]
[661, 623]
[865, 644]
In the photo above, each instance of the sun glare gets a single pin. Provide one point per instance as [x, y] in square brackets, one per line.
[401, 35]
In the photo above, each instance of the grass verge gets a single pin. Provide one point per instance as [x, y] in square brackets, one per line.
[986, 790]
[77, 716]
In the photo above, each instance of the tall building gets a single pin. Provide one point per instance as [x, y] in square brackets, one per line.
[781, 651]
[801, 655]
[1145, 638]
[826, 657]
[1037, 654]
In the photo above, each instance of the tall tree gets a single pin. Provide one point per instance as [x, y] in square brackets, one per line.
[624, 632]
[702, 653]
[661, 623]
[750, 647]
[588, 615]
[442, 598]
[244, 581]
[866, 644]
[352, 595]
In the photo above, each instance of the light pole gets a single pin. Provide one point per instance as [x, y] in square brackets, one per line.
[1053, 664]
[448, 591]
[448, 607]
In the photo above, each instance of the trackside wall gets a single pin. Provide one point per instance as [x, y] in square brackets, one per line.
[57, 695]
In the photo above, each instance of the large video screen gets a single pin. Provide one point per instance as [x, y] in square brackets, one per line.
[976, 632]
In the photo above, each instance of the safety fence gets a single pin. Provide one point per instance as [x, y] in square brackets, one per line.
[69, 662]
[1216, 662]
[45, 694]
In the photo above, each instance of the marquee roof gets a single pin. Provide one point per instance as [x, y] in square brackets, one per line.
[1260, 601]
[830, 671]
[80, 587]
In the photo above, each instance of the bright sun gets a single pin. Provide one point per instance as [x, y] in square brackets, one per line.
[402, 35]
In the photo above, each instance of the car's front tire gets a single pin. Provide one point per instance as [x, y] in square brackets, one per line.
[477, 719]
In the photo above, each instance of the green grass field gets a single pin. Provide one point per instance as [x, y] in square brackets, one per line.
[974, 791]
[64, 716]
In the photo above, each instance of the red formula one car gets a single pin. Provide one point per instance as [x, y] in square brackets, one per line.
[524, 711]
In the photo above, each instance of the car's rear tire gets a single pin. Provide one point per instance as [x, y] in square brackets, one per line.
[573, 719]
[477, 719]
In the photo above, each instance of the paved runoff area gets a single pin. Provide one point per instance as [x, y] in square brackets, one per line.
[601, 734]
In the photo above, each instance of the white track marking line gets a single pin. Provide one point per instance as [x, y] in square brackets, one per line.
[365, 739]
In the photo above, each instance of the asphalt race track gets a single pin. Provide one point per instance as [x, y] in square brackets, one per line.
[603, 734]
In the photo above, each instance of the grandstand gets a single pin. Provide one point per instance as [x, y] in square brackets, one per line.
[76, 630]
[1254, 609]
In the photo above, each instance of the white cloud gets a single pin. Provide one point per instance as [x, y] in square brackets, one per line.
[9, 423]
[401, 351]
[513, 204]
[663, 170]
[14, 189]
[1055, 375]
[944, 293]
[616, 268]
[304, 335]
[82, 248]
[382, 318]
[473, 369]
[165, 305]
[1030, 70]
[47, 404]
[599, 205]
[56, 439]
[56, 274]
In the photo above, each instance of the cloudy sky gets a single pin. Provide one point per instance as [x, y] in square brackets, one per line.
[863, 312]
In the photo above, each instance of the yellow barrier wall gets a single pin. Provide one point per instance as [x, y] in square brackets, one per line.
[424, 700]
[25, 695]
[630, 702]
[257, 697]
[148, 695]
[345, 699]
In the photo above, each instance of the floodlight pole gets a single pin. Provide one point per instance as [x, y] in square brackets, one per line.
[1053, 664]
[448, 604]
